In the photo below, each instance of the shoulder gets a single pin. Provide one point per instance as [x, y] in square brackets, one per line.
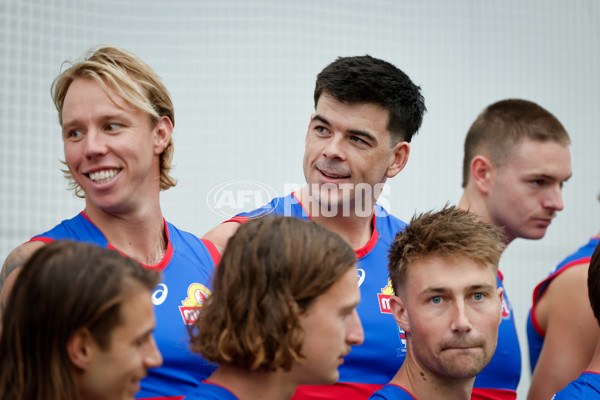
[392, 392]
[12, 266]
[191, 247]
[221, 234]
[209, 391]
[570, 282]
[18, 257]
[387, 224]
[583, 387]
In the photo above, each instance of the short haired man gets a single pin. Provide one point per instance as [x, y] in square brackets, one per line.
[516, 162]
[561, 328]
[117, 119]
[78, 325]
[443, 270]
[587, 386]
[366, 113]
[282, 311]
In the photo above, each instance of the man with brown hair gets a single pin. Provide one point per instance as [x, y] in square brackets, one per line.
[516, 162]
[282, 311]
[443, 270]
[78, 325]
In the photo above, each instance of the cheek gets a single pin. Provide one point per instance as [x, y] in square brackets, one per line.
[70, 152]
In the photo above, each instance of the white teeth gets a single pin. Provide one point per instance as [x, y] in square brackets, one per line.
[104, 175]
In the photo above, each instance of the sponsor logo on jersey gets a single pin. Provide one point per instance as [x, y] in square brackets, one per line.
[191, 306]
[384, 298]
[361, 276]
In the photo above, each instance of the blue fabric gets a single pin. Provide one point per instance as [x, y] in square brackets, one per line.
[587, 386]
[188, 270]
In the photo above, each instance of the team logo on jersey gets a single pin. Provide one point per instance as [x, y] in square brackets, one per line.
[384, 298]
[191, 306]
[506, 307]
[402, 348]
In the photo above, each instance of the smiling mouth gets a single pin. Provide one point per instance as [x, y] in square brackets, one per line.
[104, 175]
[333, 176]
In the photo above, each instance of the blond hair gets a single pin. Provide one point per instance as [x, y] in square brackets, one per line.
[131, 79]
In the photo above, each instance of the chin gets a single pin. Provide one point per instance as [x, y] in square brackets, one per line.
[534, 235]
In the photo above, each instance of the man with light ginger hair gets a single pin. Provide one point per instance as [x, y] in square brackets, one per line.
[443, 270]
[515, 164]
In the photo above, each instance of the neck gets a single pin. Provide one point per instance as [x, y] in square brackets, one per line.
[354, 229]
[595, 363]
[423, 384]
[247, 385]
[140, 235]
[474, 202]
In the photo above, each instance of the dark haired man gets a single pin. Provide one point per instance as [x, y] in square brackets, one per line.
[366, 112]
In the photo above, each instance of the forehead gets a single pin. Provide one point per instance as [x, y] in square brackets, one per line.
[448, 273]
[346, 116]
[534, 157]
[89, 90]
[343, 293]
[136, 315]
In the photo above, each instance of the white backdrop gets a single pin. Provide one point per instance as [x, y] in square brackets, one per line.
[242, 73]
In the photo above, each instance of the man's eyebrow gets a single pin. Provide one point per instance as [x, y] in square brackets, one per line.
[434, 290]
[371, 138]
[548, 177]
[364, 134]
[483, 286]
[441, 290]
[317, 117]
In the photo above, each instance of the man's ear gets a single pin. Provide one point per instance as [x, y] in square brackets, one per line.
[482, 173]
[499, 293]
[401, 152]
[162, 134]
[400, 313]
[80, 348]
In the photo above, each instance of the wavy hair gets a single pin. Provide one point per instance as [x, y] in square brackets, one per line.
[272, 269]
[134, 81]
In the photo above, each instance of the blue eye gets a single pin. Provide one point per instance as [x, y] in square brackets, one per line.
[436, 300]
[112, 127]
[478, 296]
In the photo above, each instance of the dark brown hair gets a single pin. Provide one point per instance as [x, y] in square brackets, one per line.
[365, 79]
[594, 283]
[63, 287]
